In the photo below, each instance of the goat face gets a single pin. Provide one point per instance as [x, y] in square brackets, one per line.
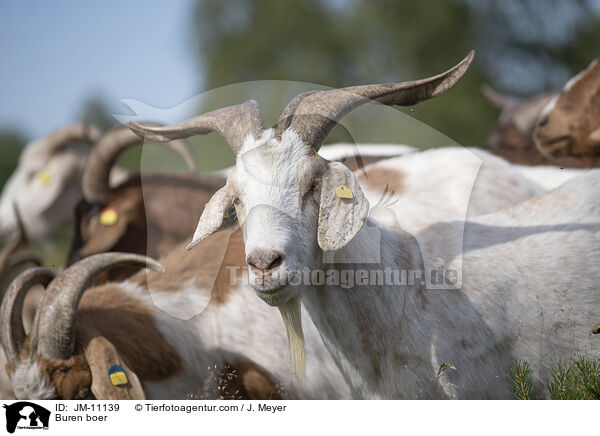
[275, 193]
[45, 190]
[45, 184]
[281, 191]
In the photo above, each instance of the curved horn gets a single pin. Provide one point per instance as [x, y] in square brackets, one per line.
[58, 139]
[54, 331]
[233, 123]
[12, 334]
[501, 101]
[17, 240]
[568, 129]
[314, 114]
[95, 179]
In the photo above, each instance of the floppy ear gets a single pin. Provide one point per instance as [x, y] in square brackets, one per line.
[219, 214]
[343, 208]
[106, 229]
[111, 378]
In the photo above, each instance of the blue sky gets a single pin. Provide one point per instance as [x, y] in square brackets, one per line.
[57, 54]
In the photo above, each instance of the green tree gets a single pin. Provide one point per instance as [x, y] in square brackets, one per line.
[524, 47]
[11, 145]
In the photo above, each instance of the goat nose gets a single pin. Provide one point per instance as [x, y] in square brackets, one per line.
[264, 260]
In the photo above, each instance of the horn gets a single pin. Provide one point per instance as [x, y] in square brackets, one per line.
[233, 123]
[95, 179]
[54, 330]
[314, 114]
[15, 261]
[12, 334]
[501, 101]
[58, 139]
[18, 239]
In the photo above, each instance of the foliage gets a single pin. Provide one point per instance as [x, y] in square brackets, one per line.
[11, 144]
[96, 111]
[523, 47]
[578, 381]
[521, 381]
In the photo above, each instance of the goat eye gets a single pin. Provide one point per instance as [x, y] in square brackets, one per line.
[236, 200]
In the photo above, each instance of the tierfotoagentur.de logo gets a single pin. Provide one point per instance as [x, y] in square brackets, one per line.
[26, 415]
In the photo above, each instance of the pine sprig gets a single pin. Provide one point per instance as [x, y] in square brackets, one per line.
[520, 377]
[588, 377]
[561, 385]
[578, 381]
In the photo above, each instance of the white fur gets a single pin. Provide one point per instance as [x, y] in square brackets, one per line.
[29, 383]
[520, 269]
[242, 326]
[336, 152]
[44, 205]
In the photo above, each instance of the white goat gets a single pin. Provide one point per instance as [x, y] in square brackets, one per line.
[389, 335]
[46, 183]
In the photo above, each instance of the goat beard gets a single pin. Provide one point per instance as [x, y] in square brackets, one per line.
[291, 314]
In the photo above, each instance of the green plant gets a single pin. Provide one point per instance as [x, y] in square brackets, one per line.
[521, 380]
[579, 380]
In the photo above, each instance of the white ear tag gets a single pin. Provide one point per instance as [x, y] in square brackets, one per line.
[343, 191]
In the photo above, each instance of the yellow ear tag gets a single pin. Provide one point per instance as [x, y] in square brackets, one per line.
[117, 375]
[343, 191]
[44, 177]
[109, 217]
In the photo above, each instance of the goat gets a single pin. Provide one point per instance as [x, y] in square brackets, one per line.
[568, 130]
[559, 128]
[81, 332]
[142, 207]
[300, 213]
[136, 215]
[46, 183]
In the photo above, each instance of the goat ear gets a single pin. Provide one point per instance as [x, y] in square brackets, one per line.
[219, 214]
[105, 230]
[111, 378]
[343, 208]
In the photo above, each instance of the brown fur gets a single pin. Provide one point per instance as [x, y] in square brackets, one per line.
[512, 136]
[72, 378]
[147, 224]
[129, 325]
[246, 380]
[383, 178]
[205, 272]
[566, 134]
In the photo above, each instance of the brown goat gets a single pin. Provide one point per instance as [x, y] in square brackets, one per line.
[561, 128]
[137, 215]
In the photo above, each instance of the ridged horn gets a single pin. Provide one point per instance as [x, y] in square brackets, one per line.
[96, 174]
[58, 139]
[12, 335]
[234, 123]
[314, 114]
[54, 330]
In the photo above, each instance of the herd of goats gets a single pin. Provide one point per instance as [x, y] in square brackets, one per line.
[333, 248]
